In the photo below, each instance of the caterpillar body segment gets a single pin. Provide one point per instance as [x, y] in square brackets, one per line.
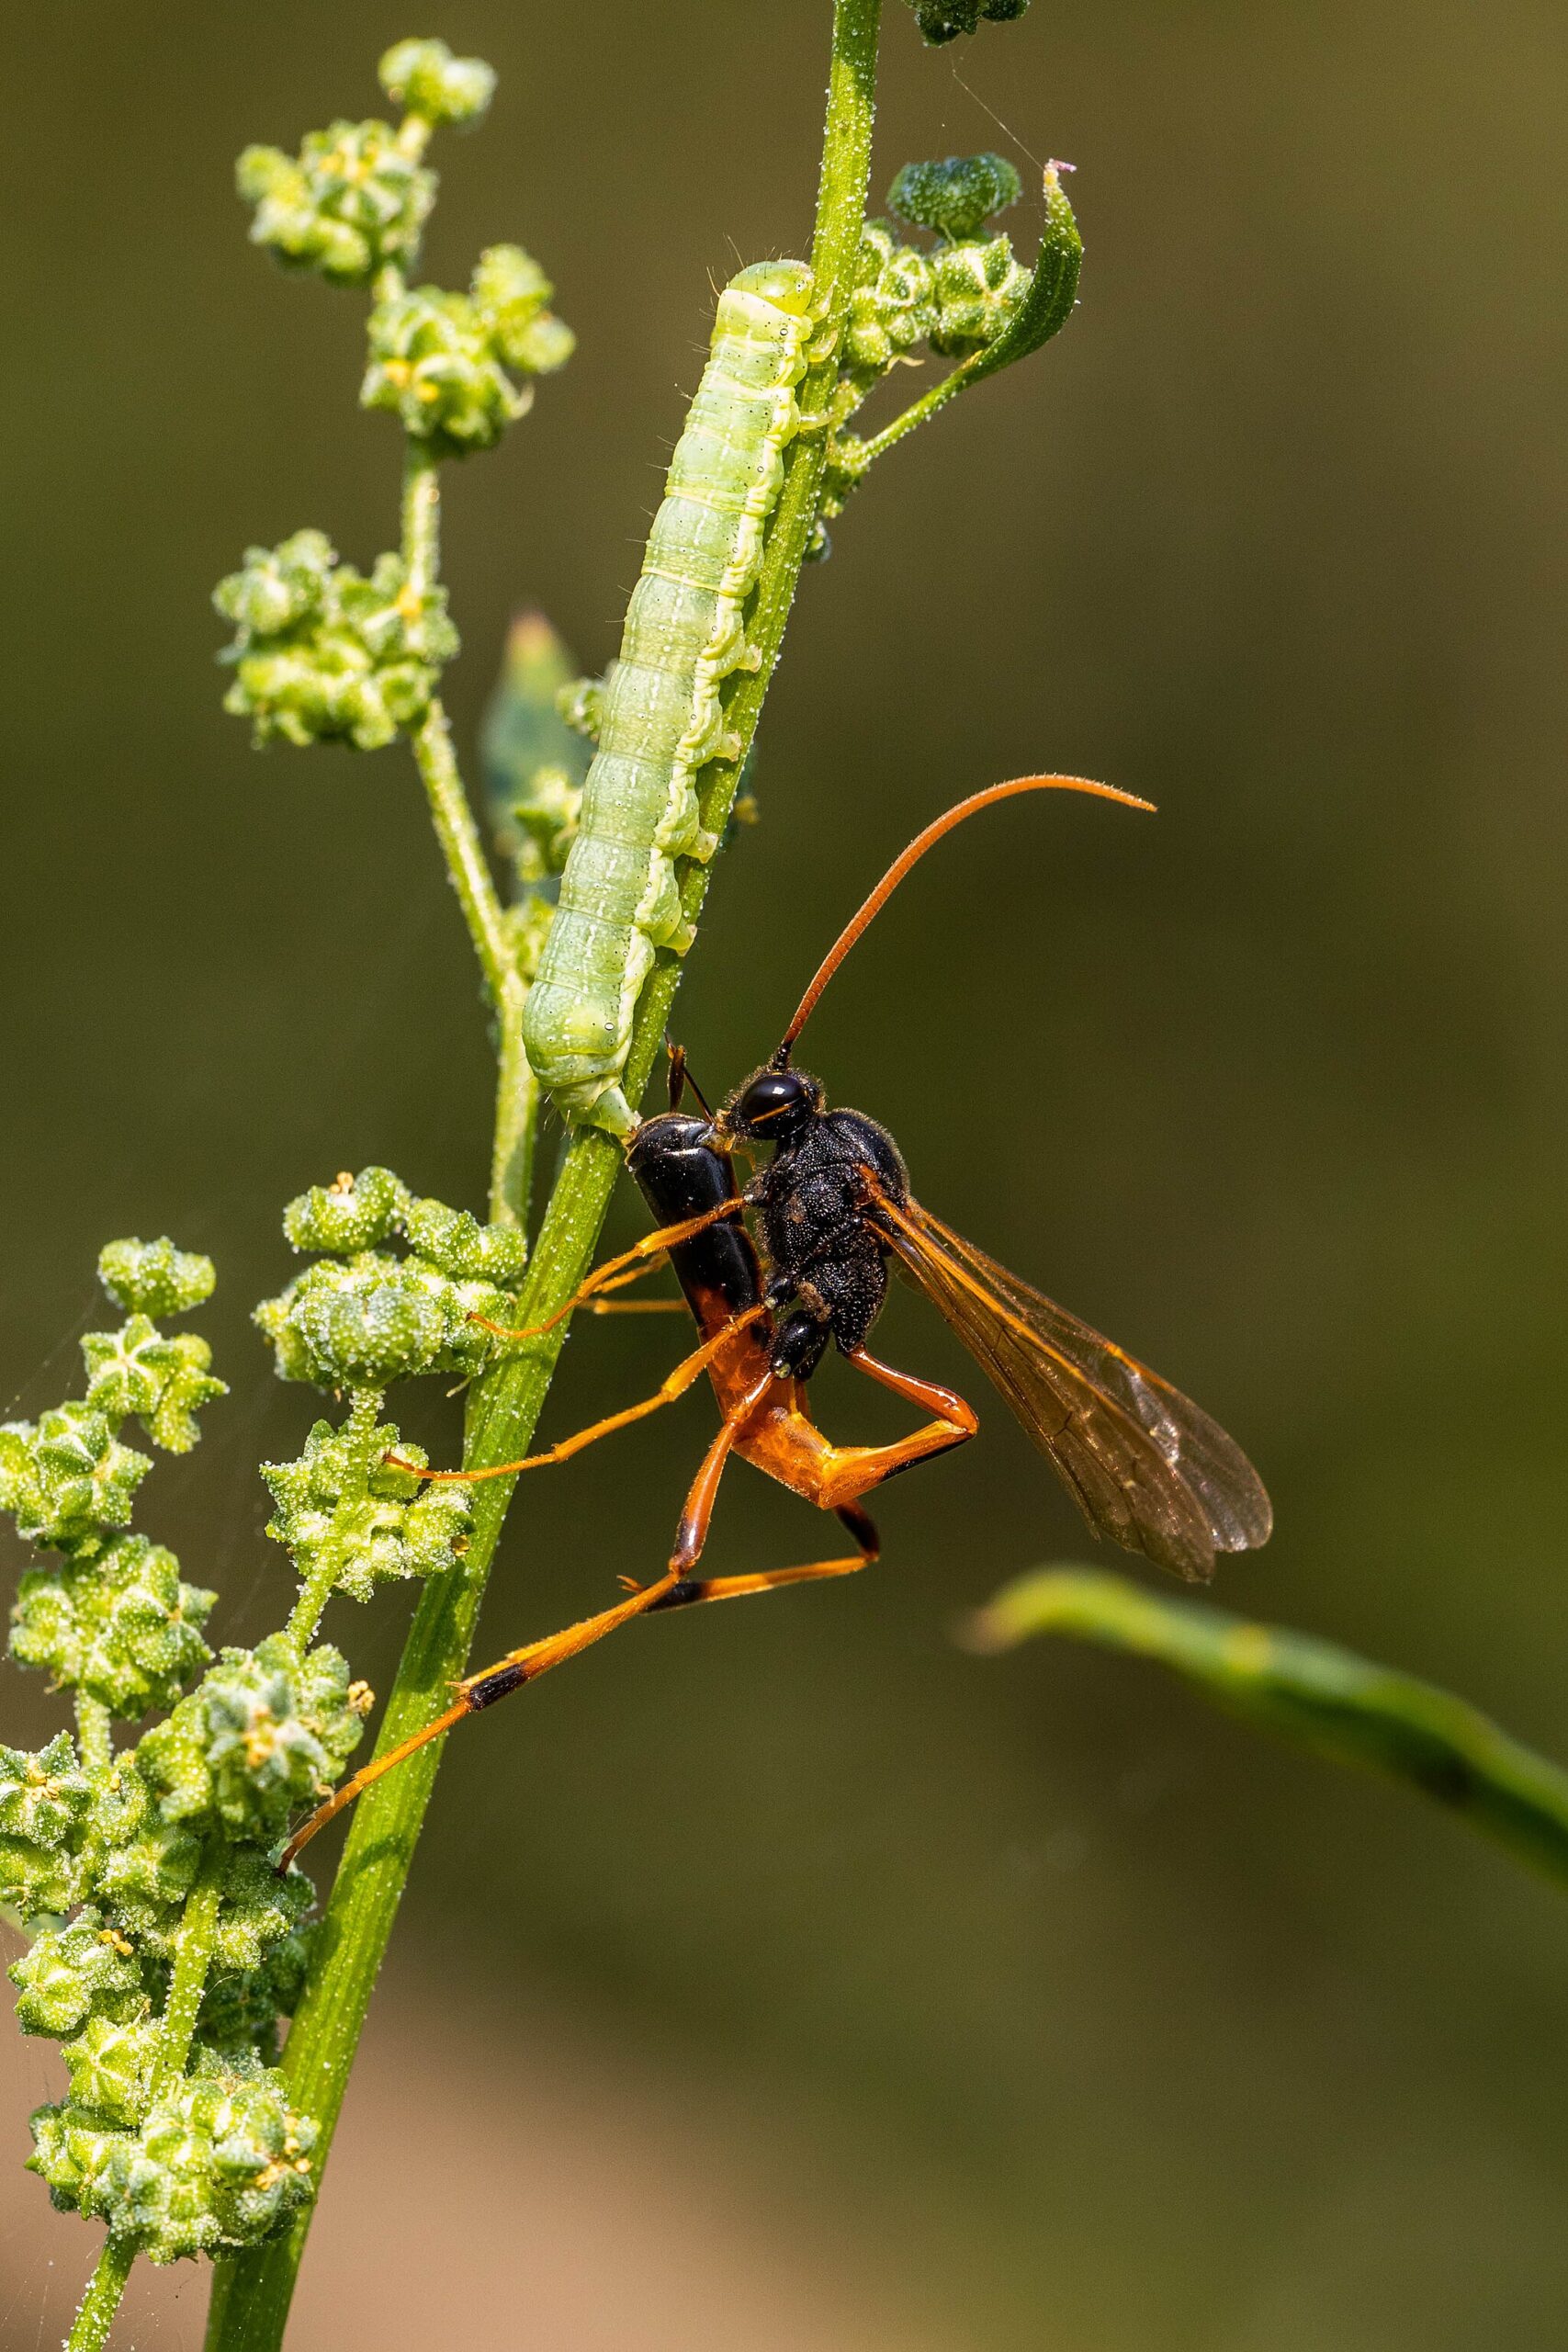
[663, 719]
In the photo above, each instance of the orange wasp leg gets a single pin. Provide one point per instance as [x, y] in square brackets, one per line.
[675, 1383]
[612, 1274]
[692, 1589]
[520, 1667]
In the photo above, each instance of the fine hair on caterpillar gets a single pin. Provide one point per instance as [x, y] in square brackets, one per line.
[663, 721]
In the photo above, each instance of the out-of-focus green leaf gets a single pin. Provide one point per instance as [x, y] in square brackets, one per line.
[1323, 1697]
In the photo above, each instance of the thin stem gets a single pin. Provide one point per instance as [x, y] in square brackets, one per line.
[466, 866]
[95, 2316]
[194, 1939]
[251, 2292]
[935, 397]
[516, 1119]
[94, 1733]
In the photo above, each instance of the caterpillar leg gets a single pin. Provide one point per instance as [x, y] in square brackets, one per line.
[523, 1665]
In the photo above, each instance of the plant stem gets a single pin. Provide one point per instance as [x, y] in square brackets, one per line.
[194, 1939]
[94, 1734]
[466, 866]
[517, 1118]
[95, 2316]
[252, 2293]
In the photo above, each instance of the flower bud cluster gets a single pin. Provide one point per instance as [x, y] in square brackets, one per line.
[218, 2160]
[352, 1519]
[356, 198]
[957, 297]
[361, 1317]
[943, 20]
[323, 655]
[439, 361]
[187, 2145]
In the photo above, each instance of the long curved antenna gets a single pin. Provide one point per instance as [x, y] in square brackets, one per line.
[911, 856]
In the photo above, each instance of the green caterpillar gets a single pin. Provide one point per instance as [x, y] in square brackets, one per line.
[662, 721]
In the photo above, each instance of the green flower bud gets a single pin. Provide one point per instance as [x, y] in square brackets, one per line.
[44, 1801]
[433, 364]
[955, 196]
[455, 1243]
[69, 1974]
[221, 2160]
[110, 2065]
[355, 661]
[263, 1733]
[243, 2008]
[891, 306]
[943, 20]
[438, 361]
[153, 1277]
[511, 292]
[163, 1381]
[356, 198]
[344, 1508]
[980, 287]
[353, 1213]
[424, 76]
[66, 1478]
[259, 1913]
[121, 1628]
[143, 1880]
[372, 1319]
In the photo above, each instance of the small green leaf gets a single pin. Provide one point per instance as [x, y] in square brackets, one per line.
[1322, 1697]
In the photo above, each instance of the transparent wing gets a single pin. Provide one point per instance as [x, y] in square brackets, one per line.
[1143, 1465]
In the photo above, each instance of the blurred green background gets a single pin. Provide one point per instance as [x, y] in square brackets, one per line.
[1098, 2025]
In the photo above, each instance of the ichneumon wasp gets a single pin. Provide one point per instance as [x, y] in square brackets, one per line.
[1147, 1469]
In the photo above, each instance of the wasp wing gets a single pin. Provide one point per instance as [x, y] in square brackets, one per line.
[1143, 1465]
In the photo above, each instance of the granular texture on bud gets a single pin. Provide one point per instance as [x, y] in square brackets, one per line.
[348, 1514]
[66, 1478]
[121, 1627]
[955, 196]
[266, 1733]
[353, 1213]
[160, 1379]
[219, 2160]
[154, 1278]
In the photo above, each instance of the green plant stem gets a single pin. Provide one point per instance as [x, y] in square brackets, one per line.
[253, 2291]
[95, 2316]
[194, 1939]
[517, 1118]
[467, 865]
[94, 1734]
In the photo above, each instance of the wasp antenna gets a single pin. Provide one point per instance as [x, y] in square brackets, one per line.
[911, 856]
